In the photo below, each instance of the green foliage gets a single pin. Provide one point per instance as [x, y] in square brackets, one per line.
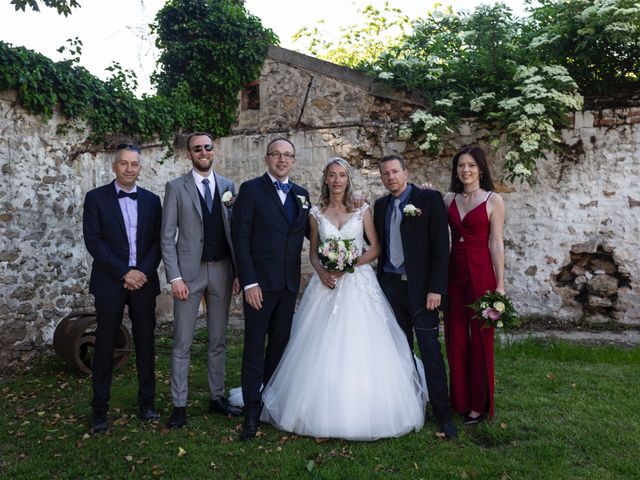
[110, 108]
[519, 77]
[473, 65]
[359, 45]
[62, 6]
[210, 48]
[563, 411]
[598, 41]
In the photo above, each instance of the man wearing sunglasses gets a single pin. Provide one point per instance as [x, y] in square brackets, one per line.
[121, 226]
[199, 264]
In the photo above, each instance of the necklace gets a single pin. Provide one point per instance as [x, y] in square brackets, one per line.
[468, 194]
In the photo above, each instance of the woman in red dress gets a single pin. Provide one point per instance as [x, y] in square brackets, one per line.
[476, 219]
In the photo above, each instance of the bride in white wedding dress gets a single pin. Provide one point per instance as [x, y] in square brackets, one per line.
[347, 371]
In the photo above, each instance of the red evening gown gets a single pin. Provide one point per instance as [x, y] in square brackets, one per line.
[469, 347]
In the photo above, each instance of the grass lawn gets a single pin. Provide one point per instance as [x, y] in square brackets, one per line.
[563, 411]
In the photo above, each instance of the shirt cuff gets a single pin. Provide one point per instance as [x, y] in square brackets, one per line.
[174, 279]
[250, 286]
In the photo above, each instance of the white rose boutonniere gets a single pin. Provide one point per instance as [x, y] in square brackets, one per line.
[228, 198]
[304, 203]
[410, 210]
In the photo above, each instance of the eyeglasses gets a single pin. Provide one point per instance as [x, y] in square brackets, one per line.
[198, 148]
[278, 155]
[128, 146]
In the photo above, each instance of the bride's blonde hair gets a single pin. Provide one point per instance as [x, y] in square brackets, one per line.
[347, 199]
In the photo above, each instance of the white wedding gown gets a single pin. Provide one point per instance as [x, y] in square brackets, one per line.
[347, 371]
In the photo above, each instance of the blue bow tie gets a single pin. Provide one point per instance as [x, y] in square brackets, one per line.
[285, 187]
[131, 195]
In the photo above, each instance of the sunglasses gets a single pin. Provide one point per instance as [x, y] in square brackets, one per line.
[198, 148]
[128, 146]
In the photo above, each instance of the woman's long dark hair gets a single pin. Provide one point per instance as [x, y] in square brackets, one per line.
[481, 159]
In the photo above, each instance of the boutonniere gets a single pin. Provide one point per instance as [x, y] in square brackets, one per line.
[228, 198]
[304, 203]
[410, 210]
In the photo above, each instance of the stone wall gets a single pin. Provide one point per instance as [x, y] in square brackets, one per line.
[571, 239]
[44, 265]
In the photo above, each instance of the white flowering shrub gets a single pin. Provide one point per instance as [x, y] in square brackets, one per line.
[473, 65]
[521, 78]
[544, 96]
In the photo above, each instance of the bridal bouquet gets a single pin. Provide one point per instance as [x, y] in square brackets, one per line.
[338, 254]
[496, 310]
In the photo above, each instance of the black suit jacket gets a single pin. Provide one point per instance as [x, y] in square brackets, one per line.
[267, 248]
[425, 243]
[106, 239]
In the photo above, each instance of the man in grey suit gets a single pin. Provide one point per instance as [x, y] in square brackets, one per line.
[199, 262]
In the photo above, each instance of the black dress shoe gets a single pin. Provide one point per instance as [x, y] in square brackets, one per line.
[449, 429]
[249, 428]
[222, 406]
[148, 414]
[178, 418]
[99, 424]
[468, 421]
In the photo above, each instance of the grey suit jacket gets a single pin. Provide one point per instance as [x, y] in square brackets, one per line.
[182, 214]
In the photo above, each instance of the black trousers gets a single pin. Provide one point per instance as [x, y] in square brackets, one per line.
[109, 312]
[425, 323]
[273, 323]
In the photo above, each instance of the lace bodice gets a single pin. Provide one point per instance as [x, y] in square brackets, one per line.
[351, 229]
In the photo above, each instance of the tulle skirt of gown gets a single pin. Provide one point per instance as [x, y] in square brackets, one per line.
[347, 371]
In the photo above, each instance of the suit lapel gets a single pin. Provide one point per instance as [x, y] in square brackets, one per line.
[143, 207]
[382, 220]
[273, 194]
[192, 191]
[405, 224]
[302, 212]
[220, 189]
[115, 205]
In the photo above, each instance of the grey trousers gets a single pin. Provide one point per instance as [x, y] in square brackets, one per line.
[214, 281]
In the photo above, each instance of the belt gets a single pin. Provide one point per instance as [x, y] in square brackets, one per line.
[398, 276]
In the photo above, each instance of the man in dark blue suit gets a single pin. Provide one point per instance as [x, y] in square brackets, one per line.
[268, 228]
[411, 224]
[121, 226]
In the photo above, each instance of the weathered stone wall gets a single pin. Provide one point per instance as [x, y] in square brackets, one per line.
[44, 265]
[581, 216]
[571, 239]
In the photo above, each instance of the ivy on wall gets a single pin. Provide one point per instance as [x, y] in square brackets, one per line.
[209, 49]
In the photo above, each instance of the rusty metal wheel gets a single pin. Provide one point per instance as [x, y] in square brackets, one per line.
[75, 336]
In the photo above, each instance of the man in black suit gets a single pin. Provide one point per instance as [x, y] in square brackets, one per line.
[121, 226]
[412, 270]
[268, 228]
